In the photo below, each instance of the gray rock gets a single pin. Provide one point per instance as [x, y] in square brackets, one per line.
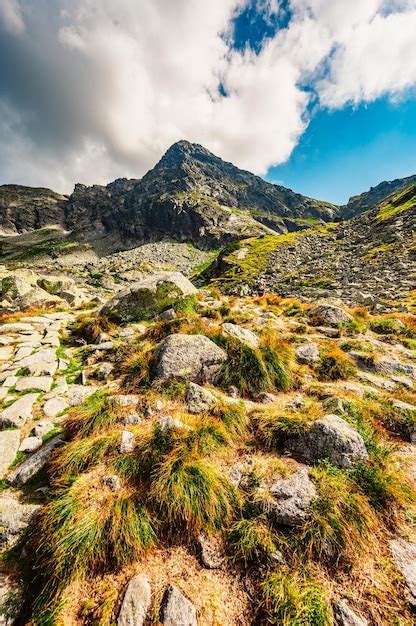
[55, 406]
[112, 482]
[136, 602]
[199, 399]
[177, 610]
[402, 406]
[126, 400]
[244, 335]
[37, 461]
[193, 358]
[167, 422]
[10, 601]
[42, 428]
[147, 298]
[335, 405]
[14, 518]
[404, 557]
[345, 616]
[307, 353]
[209, 552]
[329, 314]
[17, 414]
[78, 394]
[127, 442]
[168, 315]
[41, 363]
[30, 444]
[9, 445]
[292, 499]
[103, 371]
[266, 397]
[40, 383]
[332, 438]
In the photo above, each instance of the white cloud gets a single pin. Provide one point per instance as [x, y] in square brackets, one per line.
[11, 16]
[99, 89]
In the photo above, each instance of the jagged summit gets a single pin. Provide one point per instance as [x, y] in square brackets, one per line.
[190, 195]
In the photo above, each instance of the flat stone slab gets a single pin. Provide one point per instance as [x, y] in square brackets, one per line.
[10, 381]
[41, 363]
[55, 406]
[24, 472]
[43, 383]
[9, 445]
[17, 414]
[16, 328]
[6, 353]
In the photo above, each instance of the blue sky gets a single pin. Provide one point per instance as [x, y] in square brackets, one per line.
[342, 152]
[345, 152]
[318, 95]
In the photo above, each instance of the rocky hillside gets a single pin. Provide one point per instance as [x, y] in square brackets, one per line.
[182, 457]
[369, 259]
[190, 195]
[29, 208]
[375, 195]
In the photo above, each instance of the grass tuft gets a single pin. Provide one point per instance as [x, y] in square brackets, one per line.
[290, 599]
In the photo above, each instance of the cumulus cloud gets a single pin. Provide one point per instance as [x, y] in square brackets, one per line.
[11, 16]
[95, 89]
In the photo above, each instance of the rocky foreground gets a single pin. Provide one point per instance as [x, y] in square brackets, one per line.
[180, 456]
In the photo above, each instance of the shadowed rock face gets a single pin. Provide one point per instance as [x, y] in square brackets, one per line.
[29, 208]
[190, 195]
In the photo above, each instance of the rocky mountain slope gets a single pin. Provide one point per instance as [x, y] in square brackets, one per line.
[182, 457]
[190, 195]
[29, 208]
[370, 259]
[374, 196]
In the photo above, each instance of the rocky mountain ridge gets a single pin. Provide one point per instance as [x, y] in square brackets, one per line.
[189, 195]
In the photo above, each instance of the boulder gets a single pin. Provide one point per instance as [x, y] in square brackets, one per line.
[9, 445]
[199, 399]
[17, 414]
[404, 557]
[194, 358]
[329, 314]
[18, 294]
[149, 297]
[176, 609]
[345, 616]
[291, 499]
[30, 444]
[136, 602]
[332, 438]
[14, 518]
[307, 353]
[244, 335]
[56, 284]
[37, 461]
